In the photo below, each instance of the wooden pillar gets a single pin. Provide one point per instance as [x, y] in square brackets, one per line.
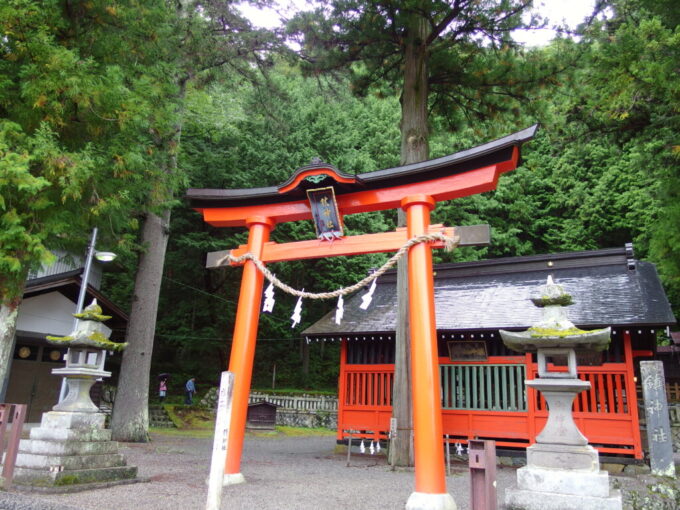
[631, 393]
[243, 345]
[430, 477]
[342, 387]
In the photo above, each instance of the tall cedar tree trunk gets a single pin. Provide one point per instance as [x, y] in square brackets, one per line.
[414, 148]
[9, 311]
[130, 421]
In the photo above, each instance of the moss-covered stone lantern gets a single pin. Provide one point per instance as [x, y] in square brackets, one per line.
[563, 470]
[85, 358]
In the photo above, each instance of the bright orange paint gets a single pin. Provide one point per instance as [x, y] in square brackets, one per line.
[351, 245]
[245, 335]
[444, 188]
[427, 412]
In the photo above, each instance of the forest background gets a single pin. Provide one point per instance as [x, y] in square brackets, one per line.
[110, 110]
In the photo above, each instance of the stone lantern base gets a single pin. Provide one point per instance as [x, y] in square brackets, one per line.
[70, 448]
[563, 470]
[562, 489]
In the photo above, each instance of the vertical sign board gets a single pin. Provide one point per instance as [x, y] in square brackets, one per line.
[325, 213]
[220, 441]
[656, 414]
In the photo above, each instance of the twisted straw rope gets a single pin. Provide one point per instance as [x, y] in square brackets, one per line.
[450, 243]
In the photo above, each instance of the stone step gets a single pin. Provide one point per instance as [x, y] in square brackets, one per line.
[41, 477]
[69, 462]
[50, 434]
[38, 446]
[158, 417]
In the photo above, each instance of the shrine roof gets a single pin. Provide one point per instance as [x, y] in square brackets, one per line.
[323, 174]
[609, 288]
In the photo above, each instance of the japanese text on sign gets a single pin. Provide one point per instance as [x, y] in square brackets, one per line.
[325, 213]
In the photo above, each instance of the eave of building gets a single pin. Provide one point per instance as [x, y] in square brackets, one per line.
[609, 287]
[68, 284]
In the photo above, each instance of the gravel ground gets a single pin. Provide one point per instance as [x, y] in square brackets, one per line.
[282, 473]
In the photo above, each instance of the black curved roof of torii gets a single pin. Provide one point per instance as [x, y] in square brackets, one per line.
[470, 159]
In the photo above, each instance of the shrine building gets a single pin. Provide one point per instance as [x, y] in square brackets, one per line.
[483, 394]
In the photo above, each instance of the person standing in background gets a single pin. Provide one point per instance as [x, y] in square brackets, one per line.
[190, 389]
[162, 389]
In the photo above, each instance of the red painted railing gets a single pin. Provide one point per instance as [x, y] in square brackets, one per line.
[606, 413]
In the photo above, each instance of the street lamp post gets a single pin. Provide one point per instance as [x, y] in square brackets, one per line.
[102, 257]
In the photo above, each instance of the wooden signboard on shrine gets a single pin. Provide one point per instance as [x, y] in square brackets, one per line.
[322, 193]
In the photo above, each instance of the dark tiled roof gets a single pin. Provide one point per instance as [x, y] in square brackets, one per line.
[608, 289]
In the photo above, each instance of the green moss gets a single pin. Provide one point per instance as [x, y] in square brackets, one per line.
[561, 300]
[544, 332]
[96, 339]
[92, 313]
[57, 339]
[67, 480]
[100, 339]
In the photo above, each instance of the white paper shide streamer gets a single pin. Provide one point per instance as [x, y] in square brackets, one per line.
[368, 297]
[269, 299]
[297, 313]
[340, 310]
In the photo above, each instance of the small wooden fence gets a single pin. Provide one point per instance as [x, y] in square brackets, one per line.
[301, 403]
[673, 392]
[9, 445]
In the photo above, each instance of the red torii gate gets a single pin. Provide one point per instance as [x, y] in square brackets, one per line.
[416, 188]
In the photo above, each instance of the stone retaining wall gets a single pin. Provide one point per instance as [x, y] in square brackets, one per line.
[308, 419]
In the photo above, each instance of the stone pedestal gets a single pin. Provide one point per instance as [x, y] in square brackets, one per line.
[562, 489]
[563, 470]
[70, 448]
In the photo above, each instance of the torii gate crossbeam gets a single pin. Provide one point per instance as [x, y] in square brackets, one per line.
[415, 188]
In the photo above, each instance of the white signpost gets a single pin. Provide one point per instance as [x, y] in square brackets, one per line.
[220, 441]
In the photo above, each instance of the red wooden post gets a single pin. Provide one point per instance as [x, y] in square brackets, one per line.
[18, 414]
[342, 387]
[531, 399]
[243, 346]
[430, 476]
[631, 394]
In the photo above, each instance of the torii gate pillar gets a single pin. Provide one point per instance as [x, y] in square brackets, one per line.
[430, 486]
[243, 346]
[416, 188]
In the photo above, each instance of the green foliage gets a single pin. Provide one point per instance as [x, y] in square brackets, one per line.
[76, 117]
[475, 71]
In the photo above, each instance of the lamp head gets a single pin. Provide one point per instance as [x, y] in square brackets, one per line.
[105, 256]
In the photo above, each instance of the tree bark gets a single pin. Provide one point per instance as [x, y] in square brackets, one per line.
[9, 311]
[130, 420]
[414, 148]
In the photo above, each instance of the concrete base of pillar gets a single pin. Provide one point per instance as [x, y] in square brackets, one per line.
[233, 479]
[424, 501]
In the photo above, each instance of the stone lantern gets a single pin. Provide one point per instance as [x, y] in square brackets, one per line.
[72, 445]
[85, 358]
[563, 470]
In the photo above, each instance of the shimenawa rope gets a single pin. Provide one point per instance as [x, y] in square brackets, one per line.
[450, 243]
